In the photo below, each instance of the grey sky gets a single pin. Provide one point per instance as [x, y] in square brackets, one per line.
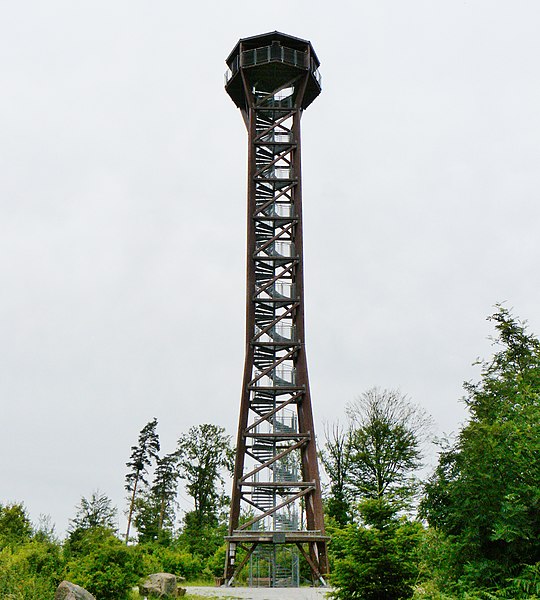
[122, 216]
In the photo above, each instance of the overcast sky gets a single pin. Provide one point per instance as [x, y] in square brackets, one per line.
[122, 217]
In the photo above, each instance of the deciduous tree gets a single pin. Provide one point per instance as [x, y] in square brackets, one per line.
[336, 456]
[15, 526]
[386, 439]
[372, 464]
[204, 453]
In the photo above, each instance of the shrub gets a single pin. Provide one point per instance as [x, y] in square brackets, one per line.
[177, 561]
[377, 564]
[103, 565]
[31, 571]
[15, 526]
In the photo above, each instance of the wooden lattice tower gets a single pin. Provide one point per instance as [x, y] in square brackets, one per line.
[273, 78]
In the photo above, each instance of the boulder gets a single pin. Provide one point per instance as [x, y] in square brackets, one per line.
[159, 585]
[69, 591]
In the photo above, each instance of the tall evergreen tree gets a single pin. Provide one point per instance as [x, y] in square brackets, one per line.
[164, 489]
[140, 460]
[155, 511]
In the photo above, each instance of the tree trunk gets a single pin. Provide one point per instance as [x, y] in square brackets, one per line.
[131, 506]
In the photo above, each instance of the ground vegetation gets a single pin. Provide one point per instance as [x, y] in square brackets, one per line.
[471, 531]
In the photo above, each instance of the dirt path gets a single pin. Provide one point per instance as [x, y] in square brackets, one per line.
[261, 593]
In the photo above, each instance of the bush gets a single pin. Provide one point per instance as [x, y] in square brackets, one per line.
[175, 560]
[376, 564]
[215, 564]
[103, 565]
[31, 571]
[15, 526]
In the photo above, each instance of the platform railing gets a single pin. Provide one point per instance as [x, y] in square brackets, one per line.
[272, 53]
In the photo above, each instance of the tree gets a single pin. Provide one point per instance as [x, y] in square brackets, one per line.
[484, 493]
[387, 432]
[15, 526]
[30, 570]
[96, 512]
[155, 511]
[203, 453]
[140, 460]
[336, 459]
[371, 465]
[44, 530]
[164, 488]
[102, 564]
[376, 563]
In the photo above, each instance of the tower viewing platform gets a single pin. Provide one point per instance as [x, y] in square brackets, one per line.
[276, 57]
[276, 513]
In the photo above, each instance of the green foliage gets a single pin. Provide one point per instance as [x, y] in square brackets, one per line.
[386, 436]
[439, 559]
[336, 458]
[203, 453]
[15, 526]
[174, 559]
[376, 563]
[371, 466]
[96, 511]
[202, 538]
[31, 565]
[30, 571]
[142, 455]
[376, 455]
[526, 584]
[140, 460]
[155, 510]
[103, 565]
[214, 563]
[484, 495]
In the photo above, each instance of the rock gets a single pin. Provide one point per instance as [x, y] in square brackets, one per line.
[159, 585]
[69, 591]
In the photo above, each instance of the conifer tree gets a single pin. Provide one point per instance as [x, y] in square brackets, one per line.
[155, 512]
[96, 511]
[140, 460]
[484, 494]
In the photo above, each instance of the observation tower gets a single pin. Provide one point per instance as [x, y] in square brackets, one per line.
[276, 507]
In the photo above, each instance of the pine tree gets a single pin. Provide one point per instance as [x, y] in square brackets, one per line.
[155, 512]
[139, 462]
